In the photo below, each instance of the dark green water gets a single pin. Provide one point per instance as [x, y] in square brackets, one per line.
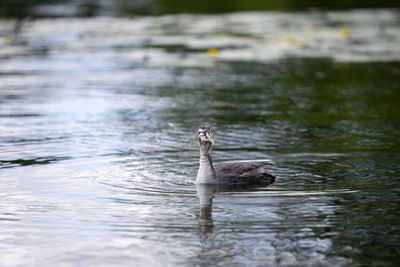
[98, 156]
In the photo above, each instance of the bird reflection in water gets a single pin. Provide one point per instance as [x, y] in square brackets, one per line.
[206, 193]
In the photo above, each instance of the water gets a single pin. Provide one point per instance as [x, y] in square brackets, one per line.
[98, 155]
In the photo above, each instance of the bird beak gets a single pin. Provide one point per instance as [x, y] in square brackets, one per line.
[209, 137]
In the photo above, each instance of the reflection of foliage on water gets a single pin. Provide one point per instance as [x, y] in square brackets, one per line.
[313, 104]
[361, 231]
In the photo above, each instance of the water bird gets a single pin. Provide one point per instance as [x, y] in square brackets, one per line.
[227, 173]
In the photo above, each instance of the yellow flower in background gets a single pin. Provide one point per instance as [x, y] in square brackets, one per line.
[213, 52]
[7, 40]
[293, 41]
[345, 32]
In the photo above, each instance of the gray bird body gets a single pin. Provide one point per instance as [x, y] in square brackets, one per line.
[228, 173]
[242, 173]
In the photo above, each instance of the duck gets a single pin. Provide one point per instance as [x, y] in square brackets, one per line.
[239, 173]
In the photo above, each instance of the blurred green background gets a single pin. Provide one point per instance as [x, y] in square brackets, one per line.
[84, 8]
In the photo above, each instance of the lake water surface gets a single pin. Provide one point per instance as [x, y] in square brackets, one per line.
[98, 156]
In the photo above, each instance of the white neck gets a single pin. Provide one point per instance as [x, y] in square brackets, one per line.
[206, 173]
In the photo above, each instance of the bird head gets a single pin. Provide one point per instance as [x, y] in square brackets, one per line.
[205, 135]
